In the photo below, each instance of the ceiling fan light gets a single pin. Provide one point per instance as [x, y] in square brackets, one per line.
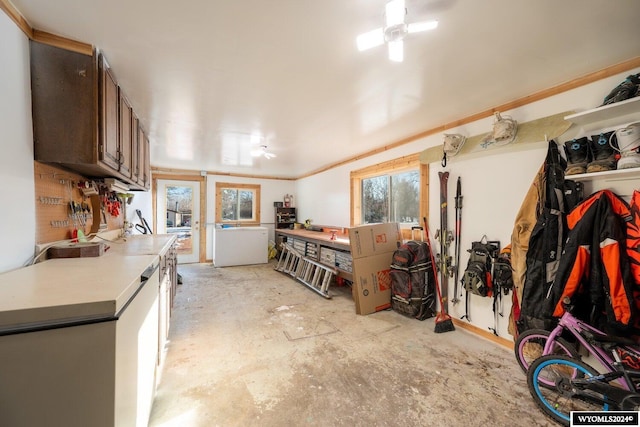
[396, 51]
[395, 12]
[258, 151]
[370, 39]
[416, 27]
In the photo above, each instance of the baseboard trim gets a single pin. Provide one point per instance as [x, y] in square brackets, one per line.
[484, 334]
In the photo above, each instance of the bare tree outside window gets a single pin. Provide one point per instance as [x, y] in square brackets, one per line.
[391, 198]
[179, 215]
[245, 206]
[229, 204]
[237, 204]
[375, 199]
[405, 197]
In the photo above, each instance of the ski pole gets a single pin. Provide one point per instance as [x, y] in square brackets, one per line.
[458, 206]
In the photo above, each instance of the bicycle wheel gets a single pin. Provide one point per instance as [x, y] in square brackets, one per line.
[530, 344]
[559, 400]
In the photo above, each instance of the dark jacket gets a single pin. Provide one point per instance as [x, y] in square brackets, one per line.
[633, 251]
[545, 244]
[594, 270]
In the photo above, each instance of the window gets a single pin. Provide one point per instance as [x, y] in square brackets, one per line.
[394, 191]
[237, 203]
[391, 198]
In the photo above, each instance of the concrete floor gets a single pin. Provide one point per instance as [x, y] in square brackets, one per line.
[250, 346]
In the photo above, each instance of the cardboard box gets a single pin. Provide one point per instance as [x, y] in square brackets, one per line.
[374, 239]
[372, 248]
[372, 283]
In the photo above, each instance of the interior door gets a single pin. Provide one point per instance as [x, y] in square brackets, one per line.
[178, 212]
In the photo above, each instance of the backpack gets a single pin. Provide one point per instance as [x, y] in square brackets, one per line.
[477, 277]
[503, 272]
[413, 281]
[502, 283]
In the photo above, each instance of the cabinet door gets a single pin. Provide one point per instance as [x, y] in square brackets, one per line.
[124, 150]
[141, 156]
[136, 348]
[109, 106]
[135, 135]
[64, 105]
[145, 164]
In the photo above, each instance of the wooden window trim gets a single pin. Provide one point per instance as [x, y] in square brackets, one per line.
[401, 164]
[256, 190]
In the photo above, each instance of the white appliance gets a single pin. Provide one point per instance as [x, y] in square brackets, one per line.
[240, 246]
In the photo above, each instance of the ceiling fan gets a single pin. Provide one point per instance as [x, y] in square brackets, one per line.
[262, 151]
[394, 31]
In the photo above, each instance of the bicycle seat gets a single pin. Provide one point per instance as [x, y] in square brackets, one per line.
[612, 339]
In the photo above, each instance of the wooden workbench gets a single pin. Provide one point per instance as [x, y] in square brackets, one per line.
[318, 246]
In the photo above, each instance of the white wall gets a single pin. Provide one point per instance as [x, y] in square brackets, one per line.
[143, 201]
[493, 185]
[17, 225]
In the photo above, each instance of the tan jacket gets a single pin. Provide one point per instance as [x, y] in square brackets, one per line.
[526, 219]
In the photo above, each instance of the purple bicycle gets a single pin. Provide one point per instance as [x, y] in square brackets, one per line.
[560, 381]
[535, 343]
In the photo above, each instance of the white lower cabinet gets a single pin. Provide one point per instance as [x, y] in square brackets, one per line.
[58, 377]
[99, 374]
[164, 316]
[136, 355]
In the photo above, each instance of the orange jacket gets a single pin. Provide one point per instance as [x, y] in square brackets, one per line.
[594, 268]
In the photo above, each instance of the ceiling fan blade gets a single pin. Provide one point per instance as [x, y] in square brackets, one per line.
[416, 27]
[395, 12]
[396, 51]
[269, 155]
[370, 39]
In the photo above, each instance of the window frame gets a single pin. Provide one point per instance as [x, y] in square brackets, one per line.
[255, 188]
[390, 167]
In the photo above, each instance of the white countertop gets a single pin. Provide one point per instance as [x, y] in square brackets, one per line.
[154, 244]
[71, 289]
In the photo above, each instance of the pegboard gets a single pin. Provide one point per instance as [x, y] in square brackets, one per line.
[56, 218]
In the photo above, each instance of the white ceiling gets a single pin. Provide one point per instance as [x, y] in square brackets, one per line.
[205, 75]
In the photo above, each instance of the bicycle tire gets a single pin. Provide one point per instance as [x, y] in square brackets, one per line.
[556, 401]
[530, 344]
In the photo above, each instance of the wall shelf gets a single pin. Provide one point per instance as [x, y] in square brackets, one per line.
[608, 115]
[613, 175]
[621, 181]
[285, 218]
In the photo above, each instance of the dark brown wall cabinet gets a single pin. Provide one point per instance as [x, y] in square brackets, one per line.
[285, 217]
[82, 119]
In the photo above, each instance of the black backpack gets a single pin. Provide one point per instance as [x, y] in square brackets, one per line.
[503, 272]
[413, 281]
[477, 277]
